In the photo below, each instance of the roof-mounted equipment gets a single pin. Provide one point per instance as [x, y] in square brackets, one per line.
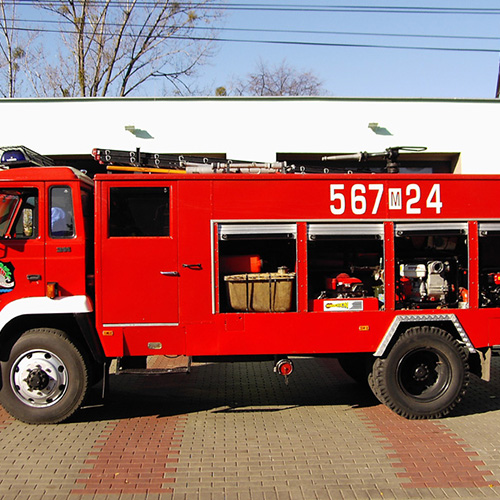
[391, 156]
[21, 156]
[138, 161]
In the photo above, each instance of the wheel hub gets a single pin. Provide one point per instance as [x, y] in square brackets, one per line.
[39, 378]
[421, 373]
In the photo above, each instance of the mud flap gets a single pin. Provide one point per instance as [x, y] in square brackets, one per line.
[485, 363]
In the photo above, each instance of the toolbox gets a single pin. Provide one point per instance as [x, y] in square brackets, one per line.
[260, 292]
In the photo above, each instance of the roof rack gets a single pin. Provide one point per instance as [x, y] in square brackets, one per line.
[21, 156]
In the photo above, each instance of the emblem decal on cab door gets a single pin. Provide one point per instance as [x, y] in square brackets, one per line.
[7, 282]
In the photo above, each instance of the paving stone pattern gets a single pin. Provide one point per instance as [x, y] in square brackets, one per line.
[237, 431]
[428, 453]
[133, 456]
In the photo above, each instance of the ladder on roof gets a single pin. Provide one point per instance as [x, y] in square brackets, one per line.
[139, 161]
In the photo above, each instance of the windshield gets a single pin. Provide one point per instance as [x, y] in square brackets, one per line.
[8, 205]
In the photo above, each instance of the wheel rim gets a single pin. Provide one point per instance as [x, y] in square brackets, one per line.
[39, 378]
[424, 374]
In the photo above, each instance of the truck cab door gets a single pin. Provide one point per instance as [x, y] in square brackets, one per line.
[22, 246]
[65, 252]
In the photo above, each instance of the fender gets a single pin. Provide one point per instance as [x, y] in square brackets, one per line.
[77, 304]
[424, 318]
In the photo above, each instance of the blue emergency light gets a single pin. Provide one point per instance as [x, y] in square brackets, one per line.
[13, 156]
[21, 156]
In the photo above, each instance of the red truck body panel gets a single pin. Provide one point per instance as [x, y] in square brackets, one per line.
[140, 311]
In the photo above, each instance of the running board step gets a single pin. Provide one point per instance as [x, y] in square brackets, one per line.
[151, 365]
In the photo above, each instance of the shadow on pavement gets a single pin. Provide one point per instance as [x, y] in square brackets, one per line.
[481, 396]
[226, 388]
[253, 387]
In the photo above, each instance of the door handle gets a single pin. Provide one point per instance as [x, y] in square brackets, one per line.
[34, 277]
[169, 273]
[196, 267]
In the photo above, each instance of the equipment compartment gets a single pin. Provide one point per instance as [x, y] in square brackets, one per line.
[345, 262]
[257, 265]
[431, 266]
[489, 264]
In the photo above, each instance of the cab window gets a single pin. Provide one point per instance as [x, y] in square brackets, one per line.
[62, 221]
[19, 214]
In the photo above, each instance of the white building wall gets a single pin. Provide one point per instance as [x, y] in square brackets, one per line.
[255, 128]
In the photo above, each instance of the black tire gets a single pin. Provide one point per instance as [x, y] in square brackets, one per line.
[357, 366]
[373, 387]
[45, 378]
[425, 374]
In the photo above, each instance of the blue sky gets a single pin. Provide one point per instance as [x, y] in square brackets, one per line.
[368, 72]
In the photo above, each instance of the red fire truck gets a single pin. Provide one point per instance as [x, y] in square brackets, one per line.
[396, 275]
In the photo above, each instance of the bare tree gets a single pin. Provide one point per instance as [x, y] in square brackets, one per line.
[116, 47]
[12, 49]
[279, 80]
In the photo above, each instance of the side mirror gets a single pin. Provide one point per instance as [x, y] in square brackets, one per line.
[27, 218]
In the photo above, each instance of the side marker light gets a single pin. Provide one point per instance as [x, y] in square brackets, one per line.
[52, 290]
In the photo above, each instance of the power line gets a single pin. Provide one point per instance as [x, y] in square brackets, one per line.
[350, 9]
[285, 31]
[354, 45]
[291, 42]
[294, 7]
[255, 6]
[356, 33]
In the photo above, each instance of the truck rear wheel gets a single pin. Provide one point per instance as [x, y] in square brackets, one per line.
[45, 378]
[424, 375]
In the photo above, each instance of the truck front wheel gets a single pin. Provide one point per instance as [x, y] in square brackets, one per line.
[45, 378]
[424, 375]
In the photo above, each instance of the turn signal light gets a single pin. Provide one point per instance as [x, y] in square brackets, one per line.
[52, 290]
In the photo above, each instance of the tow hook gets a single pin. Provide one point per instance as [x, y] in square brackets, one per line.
[284, 366]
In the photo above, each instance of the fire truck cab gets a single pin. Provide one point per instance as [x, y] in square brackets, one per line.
[396, 275]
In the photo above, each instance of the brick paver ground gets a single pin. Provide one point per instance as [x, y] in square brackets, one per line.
[237, 431]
